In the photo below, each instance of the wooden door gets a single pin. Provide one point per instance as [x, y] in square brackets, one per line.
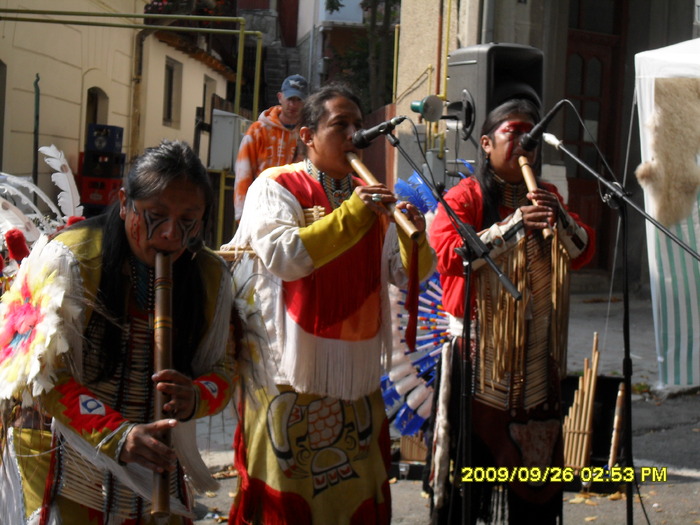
[594, 84]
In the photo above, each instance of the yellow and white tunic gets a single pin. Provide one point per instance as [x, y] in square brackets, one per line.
[313, 445]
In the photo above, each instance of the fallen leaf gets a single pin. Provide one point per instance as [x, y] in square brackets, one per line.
[577, 499]
[392, 481]
[591, 503]
[225, 474]
[615, 497]
[210, 494]
[590, 518]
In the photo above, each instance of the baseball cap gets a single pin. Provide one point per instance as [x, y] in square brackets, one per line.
[295, 86]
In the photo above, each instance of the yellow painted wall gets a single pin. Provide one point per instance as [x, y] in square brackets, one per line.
[69, 60]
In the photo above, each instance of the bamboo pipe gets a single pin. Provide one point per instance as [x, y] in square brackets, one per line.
[362, 172]
[531, 184]
[578, 416]
[585, 452]
[162, 360]
[617, 425]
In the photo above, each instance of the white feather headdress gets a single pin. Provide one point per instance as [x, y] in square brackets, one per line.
[69, 198]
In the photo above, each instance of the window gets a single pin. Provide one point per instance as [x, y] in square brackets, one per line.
[172, 93]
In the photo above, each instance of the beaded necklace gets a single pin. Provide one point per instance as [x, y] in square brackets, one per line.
[337, 190]
[512, 195]
[142, 278]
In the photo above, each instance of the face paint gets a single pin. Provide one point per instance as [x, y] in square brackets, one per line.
[153, 222]
[186, 227]
[135, 226]
[513, 129]
[165, 222]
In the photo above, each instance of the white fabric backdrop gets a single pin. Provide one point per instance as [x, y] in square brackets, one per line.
[674, 275]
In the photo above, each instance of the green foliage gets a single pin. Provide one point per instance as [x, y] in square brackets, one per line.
[353, 70]
[333, 5]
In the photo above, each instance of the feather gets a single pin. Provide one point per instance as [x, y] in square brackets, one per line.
[69, 198]
[11, 217]
[426, 194]
[417, 192]
[34, 214]
[407, 388]
[13, 180]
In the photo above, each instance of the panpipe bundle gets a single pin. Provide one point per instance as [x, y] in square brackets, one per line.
[578, 423]
[408, 387]
[517, 339]
[235, 253]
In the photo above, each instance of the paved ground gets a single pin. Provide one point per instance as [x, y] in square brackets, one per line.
[666, 433]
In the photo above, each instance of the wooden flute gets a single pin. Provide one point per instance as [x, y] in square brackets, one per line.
[162, 360]
[400, 218]
[531, 184]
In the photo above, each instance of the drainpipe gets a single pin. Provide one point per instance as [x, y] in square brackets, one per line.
[135, 121]
[397, 38]
[239, 65]
[35, 157]
[258, 67]
[487, 21]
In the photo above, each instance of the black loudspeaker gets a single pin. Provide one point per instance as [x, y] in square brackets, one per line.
[480, 78]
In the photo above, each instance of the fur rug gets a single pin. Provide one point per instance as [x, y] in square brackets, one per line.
[672, 178]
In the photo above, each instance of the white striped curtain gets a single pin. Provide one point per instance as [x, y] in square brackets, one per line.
[675, 288]
[674, 274]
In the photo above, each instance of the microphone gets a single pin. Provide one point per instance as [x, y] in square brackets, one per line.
[530, 140]
[362, 138]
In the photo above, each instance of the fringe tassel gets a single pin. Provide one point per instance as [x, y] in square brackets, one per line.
[341, 369]
[441, 441]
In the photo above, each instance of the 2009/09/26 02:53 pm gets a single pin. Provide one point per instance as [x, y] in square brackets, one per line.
[565, 474]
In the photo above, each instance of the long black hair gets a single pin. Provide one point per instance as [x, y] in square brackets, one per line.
[150, 174]
[483, 173]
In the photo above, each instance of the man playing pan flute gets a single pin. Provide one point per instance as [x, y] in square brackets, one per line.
[312, 444]
[518, 349]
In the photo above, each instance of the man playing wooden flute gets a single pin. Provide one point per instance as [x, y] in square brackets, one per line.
[76, 355]
[312, 444]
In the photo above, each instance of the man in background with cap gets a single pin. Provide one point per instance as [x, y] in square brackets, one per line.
[271, 140]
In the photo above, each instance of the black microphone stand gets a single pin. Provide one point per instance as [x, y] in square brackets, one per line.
[472, 249]
[618, 198]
